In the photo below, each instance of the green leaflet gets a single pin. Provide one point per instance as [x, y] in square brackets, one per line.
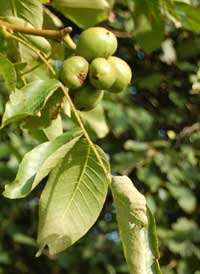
[72, 198]
[37, 163]
[48, 113]
[149, 25]
[29, 100]
[28, 13]
[136, 226]
[188, 15]
[84, 13]
[29, 10]
[7, 69]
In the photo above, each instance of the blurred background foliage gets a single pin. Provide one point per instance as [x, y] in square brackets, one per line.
[152, 135]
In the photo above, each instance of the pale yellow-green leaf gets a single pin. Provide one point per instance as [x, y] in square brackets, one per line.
[136, 226]
[37, 163]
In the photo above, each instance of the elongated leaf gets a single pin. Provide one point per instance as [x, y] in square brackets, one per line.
[29, 10]
[78, 4]
[29, 100]
[37, 163]
[72, 198]
[189, 16]
[7, 69]
[136, 226]
[149, 25]
[83, 13]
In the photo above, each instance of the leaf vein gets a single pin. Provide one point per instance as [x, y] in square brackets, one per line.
[78, 182]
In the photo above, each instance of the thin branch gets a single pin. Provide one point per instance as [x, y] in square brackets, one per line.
[53, 34]
[59, 35]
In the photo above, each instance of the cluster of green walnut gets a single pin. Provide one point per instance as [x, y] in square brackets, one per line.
[93, 69]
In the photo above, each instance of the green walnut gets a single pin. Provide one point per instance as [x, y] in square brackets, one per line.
[123, 72]
[87, 97]
[96, 42]
[102, 73]
[74, 71]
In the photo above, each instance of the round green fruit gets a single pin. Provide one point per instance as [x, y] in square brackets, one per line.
[102, 74]
[74, 72]
[87, 97]
[96, 42]
[123, 72]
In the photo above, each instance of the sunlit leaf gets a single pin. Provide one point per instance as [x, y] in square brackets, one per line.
[83, 13]
[37, 163]
[189, 16]
[149, 25]
[72, 198]
[29, 100]
[29, 10]
[136, 226]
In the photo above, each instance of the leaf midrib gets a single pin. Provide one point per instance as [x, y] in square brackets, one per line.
[13, 8]
[78, 182]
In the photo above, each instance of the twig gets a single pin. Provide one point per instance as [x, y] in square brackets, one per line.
[59, 35]
[54, 34]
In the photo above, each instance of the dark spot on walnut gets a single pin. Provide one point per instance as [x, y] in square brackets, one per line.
[82, 76]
